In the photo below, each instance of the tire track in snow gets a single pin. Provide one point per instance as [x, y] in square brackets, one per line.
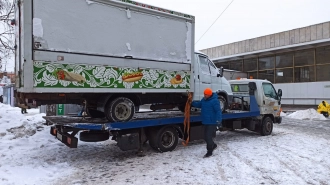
[250, 164]
[219, 166]
[303, 157]
[294, 168]
[286, 159]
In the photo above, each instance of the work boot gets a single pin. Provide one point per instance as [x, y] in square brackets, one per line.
[215, 146]
[208, 154]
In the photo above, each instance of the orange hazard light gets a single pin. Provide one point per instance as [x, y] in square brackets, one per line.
[54, 131]
[68, 140]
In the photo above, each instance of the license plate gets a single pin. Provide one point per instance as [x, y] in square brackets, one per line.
[59, 136]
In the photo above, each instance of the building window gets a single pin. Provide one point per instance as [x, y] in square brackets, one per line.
[323, 73]
[284, 75]
[304, 74]
[304, 58]
[323, 55]
[225, 65]
[266, 75]
[250, 65]
[253, 75]
[284, 60]
[266, 63]
[236, 65]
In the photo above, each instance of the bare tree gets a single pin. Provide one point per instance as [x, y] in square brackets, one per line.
[7, 37]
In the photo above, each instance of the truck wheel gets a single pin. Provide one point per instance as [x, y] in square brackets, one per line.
[223, 103]
[167, 139]
[120, 109]
[266, 126]
[92, 136]
[95, 113]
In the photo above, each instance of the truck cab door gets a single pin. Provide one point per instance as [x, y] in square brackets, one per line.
[204, 78]
[215, 77]
[270, 104]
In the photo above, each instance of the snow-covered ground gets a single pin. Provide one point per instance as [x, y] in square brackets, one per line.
[296, 153]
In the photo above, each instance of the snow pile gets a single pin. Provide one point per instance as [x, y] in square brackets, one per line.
[283, 114]
[26, 148]
[14, 124]
[309, 114]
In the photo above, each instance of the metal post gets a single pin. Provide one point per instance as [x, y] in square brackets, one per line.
[315, 65]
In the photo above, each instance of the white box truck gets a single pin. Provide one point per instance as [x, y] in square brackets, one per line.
[114, 55]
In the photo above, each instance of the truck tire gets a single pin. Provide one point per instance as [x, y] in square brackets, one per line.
[93, 136]
[95, 113]
[223, 103]
[266, 126]
[120, 109]
[167, 139]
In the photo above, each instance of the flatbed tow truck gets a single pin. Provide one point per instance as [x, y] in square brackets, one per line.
[162, 130]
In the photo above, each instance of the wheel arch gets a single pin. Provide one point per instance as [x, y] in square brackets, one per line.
[223, 93]
[269, 115]
[157, 128]
[106, 99]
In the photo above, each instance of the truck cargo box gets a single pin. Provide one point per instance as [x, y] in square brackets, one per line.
[90, 46]
[111, 28]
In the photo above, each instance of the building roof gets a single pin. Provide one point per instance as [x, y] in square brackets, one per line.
[297, 39]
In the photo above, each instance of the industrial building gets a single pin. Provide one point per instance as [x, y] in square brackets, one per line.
[296, 61]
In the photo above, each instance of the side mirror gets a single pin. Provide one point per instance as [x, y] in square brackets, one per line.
[220, 74]
[279, 93]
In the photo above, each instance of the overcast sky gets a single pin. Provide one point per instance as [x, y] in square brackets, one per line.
[244, 19]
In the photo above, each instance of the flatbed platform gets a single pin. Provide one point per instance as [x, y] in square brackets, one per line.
[140, 119]
[147, 119]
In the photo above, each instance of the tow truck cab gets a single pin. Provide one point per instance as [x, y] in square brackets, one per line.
[268, 100]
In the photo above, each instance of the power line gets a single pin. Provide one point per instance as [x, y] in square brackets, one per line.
[214, 21]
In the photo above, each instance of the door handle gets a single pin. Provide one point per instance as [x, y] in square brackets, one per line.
[206, 83]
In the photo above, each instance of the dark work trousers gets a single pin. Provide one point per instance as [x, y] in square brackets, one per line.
[208, 136]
